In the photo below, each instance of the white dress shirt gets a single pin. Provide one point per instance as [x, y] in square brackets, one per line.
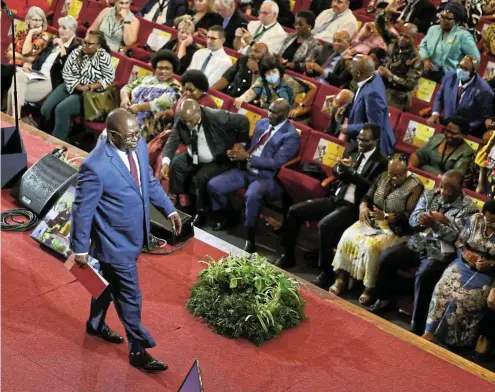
[351, 189]
[218, 64]
[162, 18]
[273, 36]
[360, 86]
[52, 57]
[344, 21]
[259, 149]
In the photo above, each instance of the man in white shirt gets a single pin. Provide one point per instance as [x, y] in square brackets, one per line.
[212, 60]
[266, 30]
[338, 18]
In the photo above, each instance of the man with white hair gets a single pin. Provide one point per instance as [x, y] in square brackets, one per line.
[266, 30]
[232, 19]
[337, 18]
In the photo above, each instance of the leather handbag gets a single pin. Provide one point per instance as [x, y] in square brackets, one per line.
[97, 105]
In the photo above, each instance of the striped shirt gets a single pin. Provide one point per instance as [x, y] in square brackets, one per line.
[91, 69]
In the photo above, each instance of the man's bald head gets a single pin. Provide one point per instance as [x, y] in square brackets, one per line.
[341, 41]
[190, 112]
[362, 67]
[451, 185]
[278, 111]
[407, 35]
[258, 51]
[122, 128]
[344, 97]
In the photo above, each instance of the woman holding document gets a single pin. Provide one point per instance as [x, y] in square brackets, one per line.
[36, 80]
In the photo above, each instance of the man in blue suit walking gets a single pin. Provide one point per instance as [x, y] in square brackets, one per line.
[111, 222]
[464, 93]
[275, 141]
[370, 104]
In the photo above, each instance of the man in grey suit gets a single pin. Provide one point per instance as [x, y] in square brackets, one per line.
[208, 134]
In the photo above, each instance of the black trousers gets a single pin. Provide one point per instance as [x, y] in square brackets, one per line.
[428, 274]
[487, 325]
[186, 177]
[8, 71]
[334, 218]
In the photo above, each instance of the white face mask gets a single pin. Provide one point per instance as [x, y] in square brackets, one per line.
[273, 78]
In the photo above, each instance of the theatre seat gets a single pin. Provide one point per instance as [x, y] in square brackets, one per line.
[222, 100]
[319, 121]
[253, 113]
[321, 149]
[428, 180]
[412, 132]
[478, 199]
[87, 15]
[424, 96]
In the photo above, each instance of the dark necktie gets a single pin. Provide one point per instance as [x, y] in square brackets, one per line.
[134, 172]
[460, 90]
[259, 33]
[205, 64]
[263, 139]
[358, 162]
[161, 7]
[324, 26]
[194, 144]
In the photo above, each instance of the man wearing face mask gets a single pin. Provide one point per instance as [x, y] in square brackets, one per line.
[464, 93]
[111, 223]
[437, 221]
[208, 134]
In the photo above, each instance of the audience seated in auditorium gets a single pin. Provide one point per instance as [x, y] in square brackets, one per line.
[338, 18]
[88, 68]
[300, 46]
[454, 315]
[370, 104]
[366, 39]
[204, 16]
[184, 46]
[285, 15]
[403, 66]
[354, 174]
[150, 95]
[383, 222]
[242, 75]
[336, 107]
[208, 135]
[34, 87]
[28, 44]
[437, 221]
[212, 60]
[275, 141]
[464, 93]
[330, 66]
[446, 44]
[273, 83]
[232, 19]
[22, 7]
[118, 24]
[163, 11]
[266, 30]
[445, 151]
[473, 10]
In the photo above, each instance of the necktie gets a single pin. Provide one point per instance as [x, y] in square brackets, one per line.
[325, 25]
[263, 139]
[358, 162]
[134, 172]
[161, 7]
[259, 33]
[205, 64]
[194, 145]
[460, 90]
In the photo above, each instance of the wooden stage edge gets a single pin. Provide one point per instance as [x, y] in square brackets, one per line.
[377, 321]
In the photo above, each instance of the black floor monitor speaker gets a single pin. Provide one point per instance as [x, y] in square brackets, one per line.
[43, 184]
[161, 227]
[13, 156]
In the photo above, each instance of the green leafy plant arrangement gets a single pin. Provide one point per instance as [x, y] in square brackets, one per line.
[248, 298]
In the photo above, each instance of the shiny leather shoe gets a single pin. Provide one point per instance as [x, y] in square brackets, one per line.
[144, 361]
[322, 280]
[285, 261]
[106, 334]
[250, 246]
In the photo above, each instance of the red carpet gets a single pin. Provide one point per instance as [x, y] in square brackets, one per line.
[45, 348]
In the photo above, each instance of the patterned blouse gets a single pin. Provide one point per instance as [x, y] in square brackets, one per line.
[160, 95]
[39, 43]
[83, 69]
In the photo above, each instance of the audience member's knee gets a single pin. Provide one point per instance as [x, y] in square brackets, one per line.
[254, 193]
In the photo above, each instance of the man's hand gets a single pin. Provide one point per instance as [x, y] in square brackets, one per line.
[483, 265]
[246, 36]
[434, 119]
[315, 67]
[385, 72]
[439, 217]
[428, 65]
[426, 220]
[345, 161]
[239, 32]
[395, 6]
[81, 260]
[165, 169]
[27, 67]
[339, 114]
[238, 154]
[343, 128]
[176, 223]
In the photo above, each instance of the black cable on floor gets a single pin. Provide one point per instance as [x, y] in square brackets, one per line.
[10, 223]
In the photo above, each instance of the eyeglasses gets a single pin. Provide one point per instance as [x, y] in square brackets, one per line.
[363, 140]
[87, 43]
[165, 68]
[444, 16]
[264, 13]
[212, 38]
[132, 137]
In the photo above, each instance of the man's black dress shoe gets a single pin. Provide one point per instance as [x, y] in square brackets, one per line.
[322, 280]
[106, 334]
[381, 306]
[199, 220]
[144, 361]
[285, 261]
[250, 246]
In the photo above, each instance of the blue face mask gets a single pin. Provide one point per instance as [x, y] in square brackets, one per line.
[273, 79]
[462, 75]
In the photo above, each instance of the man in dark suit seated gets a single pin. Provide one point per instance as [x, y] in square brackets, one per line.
[275, 141]
[163, 11]
[354, 175]
[330, 67]
[464, 93]
[241, 76]
[208, 134]
[111, 222]
[232, 20]
[370, 104]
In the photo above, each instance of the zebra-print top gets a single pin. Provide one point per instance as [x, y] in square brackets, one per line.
[88, 69]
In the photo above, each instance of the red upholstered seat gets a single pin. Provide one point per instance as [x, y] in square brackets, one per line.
[418, 126]
[428, 180]
[87, 16]
[319, 120]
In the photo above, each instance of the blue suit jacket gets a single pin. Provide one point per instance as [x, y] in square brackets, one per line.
[476, 104]
[282, 147]
[370, 106]
[110, 210]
